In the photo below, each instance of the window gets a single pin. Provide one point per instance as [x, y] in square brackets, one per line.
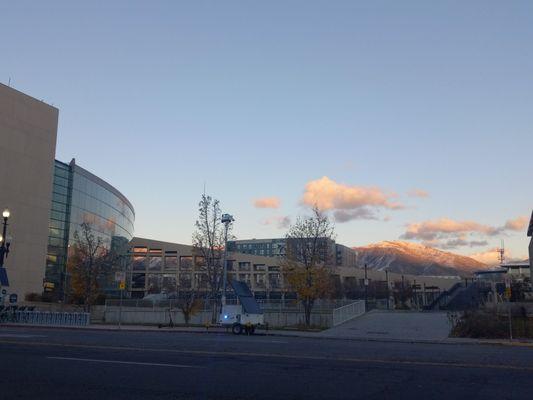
[276, 269]
[201, 280]
[153, 283]
[169, 283]
[245, 278]
[138, 281]
[199, 261]
[274, 280]
[155, 264]
[229, 264]
[185, 262]
[139, 263]
[140, 250]
[260, 280]
[185, 280]
[259, 267]
[156, 252]
[171, 262]
[244, 266]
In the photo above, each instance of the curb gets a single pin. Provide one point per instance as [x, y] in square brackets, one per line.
[446, 341]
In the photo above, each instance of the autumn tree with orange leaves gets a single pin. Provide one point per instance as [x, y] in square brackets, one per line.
[308, 259]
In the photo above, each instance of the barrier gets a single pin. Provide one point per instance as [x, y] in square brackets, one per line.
[47, 318]
[348, 312]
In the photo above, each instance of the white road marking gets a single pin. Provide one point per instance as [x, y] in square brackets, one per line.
[19, 335]
[125, 362]
[241, 341]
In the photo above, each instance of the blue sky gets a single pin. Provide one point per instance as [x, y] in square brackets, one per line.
[257, 99]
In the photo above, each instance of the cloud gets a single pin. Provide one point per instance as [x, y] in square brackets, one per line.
[454, 243]
[360, 213]
[446, 233]
[517, 224]
[348, 201]
[281, 222]
[490, 257]
[418, 193]
[267, 202]
[445, 227]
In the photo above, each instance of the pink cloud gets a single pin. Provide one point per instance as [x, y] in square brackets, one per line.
[347, 201]
[445, 227]
[490, 257]
[517, 224]
[267, 202]
[418, 193]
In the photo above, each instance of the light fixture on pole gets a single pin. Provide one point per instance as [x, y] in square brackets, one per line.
[226, 219]
[4, 247]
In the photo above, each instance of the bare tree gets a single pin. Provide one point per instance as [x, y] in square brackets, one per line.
[208, 243]
[308, 259]
[89, 264]
[189, 304]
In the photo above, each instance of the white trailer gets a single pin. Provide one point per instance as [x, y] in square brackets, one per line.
[243, 317]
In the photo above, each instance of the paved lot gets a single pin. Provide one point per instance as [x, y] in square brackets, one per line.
[394, 325]
[75, 364]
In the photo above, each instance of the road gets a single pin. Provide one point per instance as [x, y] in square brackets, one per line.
[41, 363]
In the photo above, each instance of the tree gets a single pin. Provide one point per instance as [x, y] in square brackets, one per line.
[308, 259]
[189, 304]
[208, 243]
[89, 264]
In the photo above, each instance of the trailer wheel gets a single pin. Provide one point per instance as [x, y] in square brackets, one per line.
[236, 329]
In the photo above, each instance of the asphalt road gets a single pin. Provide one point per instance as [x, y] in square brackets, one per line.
[83, 364]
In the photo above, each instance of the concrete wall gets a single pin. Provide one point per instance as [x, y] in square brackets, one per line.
[28, 130]
[149, 316]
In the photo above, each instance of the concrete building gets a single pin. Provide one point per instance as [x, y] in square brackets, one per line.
[163, 267]
[48, 199]
[530, 234]
[28, 131]
[169, 267]
[277, 247]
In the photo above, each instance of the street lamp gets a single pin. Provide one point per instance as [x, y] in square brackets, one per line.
[226, 219]
[4, 247]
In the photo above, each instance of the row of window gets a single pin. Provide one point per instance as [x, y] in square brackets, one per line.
[155, 283]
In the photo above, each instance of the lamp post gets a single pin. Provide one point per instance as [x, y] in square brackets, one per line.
[366, 290]
[226, 220]
[4, 247]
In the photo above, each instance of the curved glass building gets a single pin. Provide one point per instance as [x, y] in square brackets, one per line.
[80, 196]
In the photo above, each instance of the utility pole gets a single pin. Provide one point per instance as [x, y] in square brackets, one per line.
[226, 220]
[388, 288]
[366, 289]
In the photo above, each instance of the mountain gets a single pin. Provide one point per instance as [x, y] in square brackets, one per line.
[415, 259]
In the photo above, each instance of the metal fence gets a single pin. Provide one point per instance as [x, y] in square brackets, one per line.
[265, 304]
[46, 318]
[348, 312]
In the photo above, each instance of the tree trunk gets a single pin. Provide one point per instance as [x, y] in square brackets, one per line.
[308, 305]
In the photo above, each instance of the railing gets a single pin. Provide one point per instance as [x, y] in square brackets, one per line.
[348, 312]
[46, 318]
[265, 304]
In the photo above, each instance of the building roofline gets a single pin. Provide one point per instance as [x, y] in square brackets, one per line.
[99, 181]
[29, 96]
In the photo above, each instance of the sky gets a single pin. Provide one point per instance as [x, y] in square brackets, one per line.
[406, 120]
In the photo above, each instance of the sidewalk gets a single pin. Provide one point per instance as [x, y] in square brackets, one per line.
[284, 333]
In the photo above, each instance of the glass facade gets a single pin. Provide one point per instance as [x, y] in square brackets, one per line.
[78, 197]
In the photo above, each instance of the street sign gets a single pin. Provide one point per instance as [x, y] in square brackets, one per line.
[120, 276]
[122, 285]
[13, 298]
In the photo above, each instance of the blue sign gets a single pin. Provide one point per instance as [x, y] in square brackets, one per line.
[13, 298]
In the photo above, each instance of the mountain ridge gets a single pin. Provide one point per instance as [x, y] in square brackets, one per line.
[416, 259]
